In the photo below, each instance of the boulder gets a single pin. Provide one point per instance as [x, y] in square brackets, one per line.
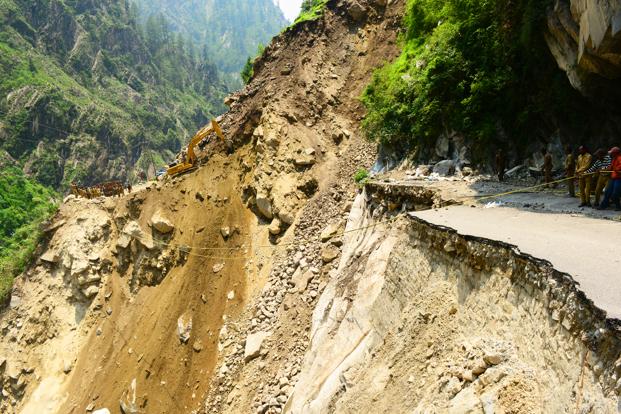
[225, 232]
[357, 11]
[91, 291]
[466, 402]
[444, 168]
[274, 227]
[265, 206]
[301, 279]
[134, 230]
[102, 411]
[50, 256]
[329, 232]
[160, 223]
[254, 344]
[184, 328]
[329, 253]
[287, 216]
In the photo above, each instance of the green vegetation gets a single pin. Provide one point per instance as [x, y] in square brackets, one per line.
[24, 205]
[87, 111]
[361, 176]
[478, 67]
[248, 71]
[311, 10]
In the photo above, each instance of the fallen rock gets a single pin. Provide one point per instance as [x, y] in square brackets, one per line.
[466, 402]
[286, 216]
[300, 279]
[160, 223]
[329, 253]
[493, 358]
[274, 227]
[265, 206]
[134, 230]
[329, 232]
[254, 343]
[184, 328]
[50, 257]
[102, 411]
[225, 232]
[91, 291]
[198, 346]
[217, 268]
[128, 400]
[444, 168]
[357, 11]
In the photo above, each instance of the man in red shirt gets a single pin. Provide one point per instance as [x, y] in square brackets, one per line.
[613, 191]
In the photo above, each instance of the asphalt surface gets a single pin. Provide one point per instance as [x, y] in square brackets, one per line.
[587, 248]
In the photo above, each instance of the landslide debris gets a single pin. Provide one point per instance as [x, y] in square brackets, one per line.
[160, 281]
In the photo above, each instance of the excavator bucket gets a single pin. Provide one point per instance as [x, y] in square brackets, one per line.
[216, 127]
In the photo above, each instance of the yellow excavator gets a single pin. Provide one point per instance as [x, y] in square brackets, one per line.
[188, 162]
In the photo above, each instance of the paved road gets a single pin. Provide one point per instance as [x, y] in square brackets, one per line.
[589, 249]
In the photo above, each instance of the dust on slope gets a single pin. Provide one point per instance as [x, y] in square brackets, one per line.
[137, 338]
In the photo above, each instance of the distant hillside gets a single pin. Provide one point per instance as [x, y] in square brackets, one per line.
[230, 30]
[87, 94]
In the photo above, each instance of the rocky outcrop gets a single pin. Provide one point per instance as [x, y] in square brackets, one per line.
[421, 319]
[585, 38]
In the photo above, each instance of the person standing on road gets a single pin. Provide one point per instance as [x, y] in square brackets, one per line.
[613, 191]
[600, 173]
[583, 164]
[500, 165]
[570, 170]
[546, 169]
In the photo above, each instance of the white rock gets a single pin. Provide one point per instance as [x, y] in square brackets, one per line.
[184, 328]
[329, 232]
[254, 343]
[217, 268]
[225, 232]
[160, 223]
[102, 411]
[466, 402]
[91, 291]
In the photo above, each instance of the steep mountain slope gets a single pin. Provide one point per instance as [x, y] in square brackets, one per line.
[229, 30]
[266, 281]
[86, 97]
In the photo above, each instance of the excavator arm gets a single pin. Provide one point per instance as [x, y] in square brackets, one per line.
[191, 156]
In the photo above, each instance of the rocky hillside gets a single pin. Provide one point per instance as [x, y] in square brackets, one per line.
[229, 30]
[88, 95]
[266, 281]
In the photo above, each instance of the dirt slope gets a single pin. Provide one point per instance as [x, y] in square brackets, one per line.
[132, 285]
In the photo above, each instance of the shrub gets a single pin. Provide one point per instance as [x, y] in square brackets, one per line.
[361, 176]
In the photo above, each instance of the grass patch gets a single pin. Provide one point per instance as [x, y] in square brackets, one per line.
[311, 10]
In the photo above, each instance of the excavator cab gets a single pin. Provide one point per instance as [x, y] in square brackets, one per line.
[189, 160]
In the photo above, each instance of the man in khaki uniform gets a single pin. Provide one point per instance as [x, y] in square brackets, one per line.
[582, 165]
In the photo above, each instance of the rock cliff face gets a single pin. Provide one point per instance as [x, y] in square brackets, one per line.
[585, 38]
